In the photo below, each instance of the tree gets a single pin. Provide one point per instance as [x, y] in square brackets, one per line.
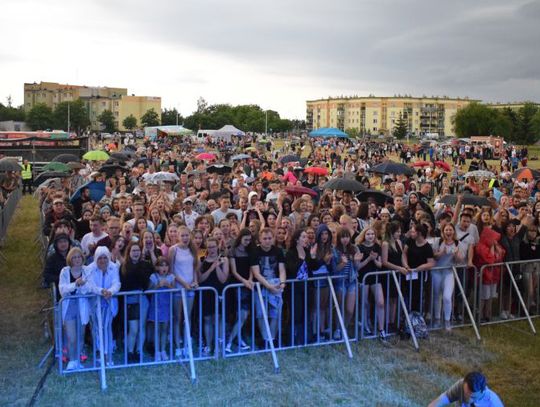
[106, 118]
[40, 117]
[171, 117]
[78, 116]
[474, 120]
[150, 118]
[525, 133]
[353, 132]
[401, 127]
[535, 125]
[130, 122]
[12, 113]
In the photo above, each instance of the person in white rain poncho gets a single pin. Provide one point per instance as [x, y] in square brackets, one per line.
[106, 283]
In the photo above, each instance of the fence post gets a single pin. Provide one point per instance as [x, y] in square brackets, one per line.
[103, 377]
[466, 302]
[405, 311]
[340, 317]
[187, 334]
[267, 328]
[520, 297]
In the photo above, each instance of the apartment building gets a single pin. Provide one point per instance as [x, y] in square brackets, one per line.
[379, 115]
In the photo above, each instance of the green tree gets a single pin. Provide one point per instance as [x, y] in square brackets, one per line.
[130, 122]
[535, 125]
[525, 133]
[353, 132]
[510, 116]
[150, 118]
[106, 118]
[78, 116]
[474, 120]
[401, 128]
[171, 117]
[11, 113]
[40, 117]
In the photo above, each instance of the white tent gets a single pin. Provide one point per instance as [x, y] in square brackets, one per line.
[226, 132]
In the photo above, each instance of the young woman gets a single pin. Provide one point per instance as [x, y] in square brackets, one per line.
[530, 250]
[418, 256]
[371, 261]
[214, 273]
[447, 255]
[184, 261]
[348, 261]
[240, 269]
[171, 238]
[75, 313]
[149, 251]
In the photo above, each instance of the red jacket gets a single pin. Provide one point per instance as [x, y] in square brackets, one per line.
[489, 251]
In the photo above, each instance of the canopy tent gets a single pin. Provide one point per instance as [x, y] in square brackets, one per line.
[227, 131]
[153, 132]
[328, 132]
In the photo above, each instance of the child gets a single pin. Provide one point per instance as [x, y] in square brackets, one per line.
[161, 280]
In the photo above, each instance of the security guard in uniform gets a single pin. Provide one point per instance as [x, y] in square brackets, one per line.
[26, 175]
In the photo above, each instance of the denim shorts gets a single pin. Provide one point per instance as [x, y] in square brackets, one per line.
[344, 285]
[274, 301]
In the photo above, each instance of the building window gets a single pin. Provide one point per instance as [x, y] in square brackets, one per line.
[374, 121]
[116, 114]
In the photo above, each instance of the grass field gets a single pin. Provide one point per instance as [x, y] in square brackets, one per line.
[396, 376]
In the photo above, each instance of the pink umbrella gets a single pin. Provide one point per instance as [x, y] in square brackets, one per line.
[297, 190]
[421, 164]
[206, 156]
[443, 165]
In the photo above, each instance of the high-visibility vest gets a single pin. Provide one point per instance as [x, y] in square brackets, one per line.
[26, 172]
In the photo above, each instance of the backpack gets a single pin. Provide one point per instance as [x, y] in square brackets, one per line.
[418, 325]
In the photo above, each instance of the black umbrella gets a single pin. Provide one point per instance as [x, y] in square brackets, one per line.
[49, 174]
[128, 153]
[142, 160]
[115, 161]
[119, 156]
[291, 158]
[218, 169]
[468, 199]
[110, 169]
[66, 158]
[391, 167]
[344, 184]
[379, 197]
[130, 147]
[9, 164]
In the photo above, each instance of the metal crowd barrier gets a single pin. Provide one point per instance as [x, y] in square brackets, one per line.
[6, 214]
[513, 285]
[104, 326]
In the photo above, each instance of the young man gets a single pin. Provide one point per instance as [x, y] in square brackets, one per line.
[469, 391]
[90, 241]
[188, 215]
[268, 267]
[224, 209]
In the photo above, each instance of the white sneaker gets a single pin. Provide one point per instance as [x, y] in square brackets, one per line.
[206, 350]
[72, 365]
[164, 356]
[447, 326]
[243, 345]
[504, 315]
[228, 348]
[337, 334]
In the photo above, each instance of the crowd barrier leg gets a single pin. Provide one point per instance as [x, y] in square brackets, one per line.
[405, 311]
[187, 330]
[525, 309]
[466, 303]
[103, 377]
[267, 328]
[340, 317]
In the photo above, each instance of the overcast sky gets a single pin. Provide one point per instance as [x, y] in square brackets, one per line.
[274, 53]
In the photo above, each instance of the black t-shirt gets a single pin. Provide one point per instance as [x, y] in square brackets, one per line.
[416, 256]
[366, 251]
[268, 261]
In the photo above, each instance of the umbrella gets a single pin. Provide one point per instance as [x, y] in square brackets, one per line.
[316, 171]
[291, 158]
[218, 169]
[115, 161]
[44, 176]
[479, 174]
[526, 173]
[120, 156]
[443, 165]
[344, 184]
[130, 147]
[468, 199]
[327, 132]
[240, 157]
[250, 149]
[66, 158]
[97, 191]
[9, 164]
[297, 190]
[379, 197]
[75, 166]
[96, 155]
[128, 153]
[206, 156]
[110, 169]
[391, 167]
[421, 164]
[56, 166]
[47, 183]
[164, 176]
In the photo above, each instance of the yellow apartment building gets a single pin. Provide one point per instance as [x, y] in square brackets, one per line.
[96, 98]
[379, 115]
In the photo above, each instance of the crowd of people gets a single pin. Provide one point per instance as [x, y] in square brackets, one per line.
[178, 216]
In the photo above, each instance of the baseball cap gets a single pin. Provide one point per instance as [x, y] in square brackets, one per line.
[186, 200]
